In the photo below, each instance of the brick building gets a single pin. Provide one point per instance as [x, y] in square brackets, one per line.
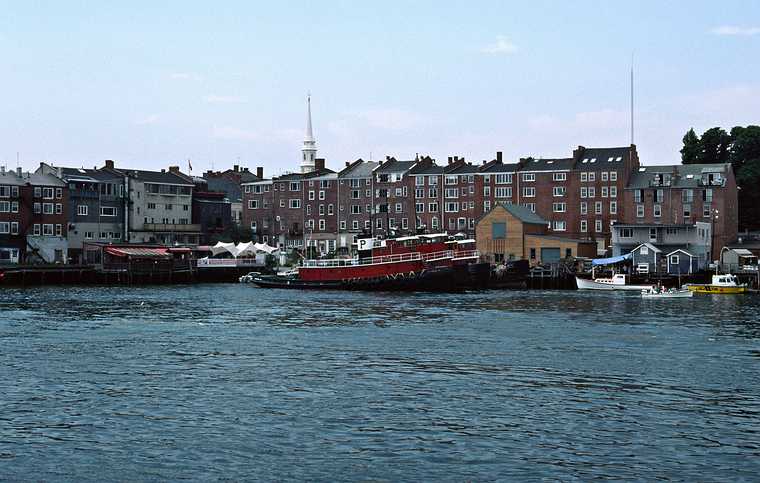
[14, 215]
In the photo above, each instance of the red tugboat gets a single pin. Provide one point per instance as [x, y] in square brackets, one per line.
[414, 263]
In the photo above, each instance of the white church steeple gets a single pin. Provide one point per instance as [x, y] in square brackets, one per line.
[309, 148]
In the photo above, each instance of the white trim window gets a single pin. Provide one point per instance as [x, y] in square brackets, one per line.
[613, 175]
[528, 177]
[504, 178]
[107, 211]
[639, 211]
[558, 191]
[584, 207]
[529, 191]
[503, 192]
[559, 207]
[295, 203]
[584, 226]
[613, 207]
[598, 226]
[559, 225]
[559, 176]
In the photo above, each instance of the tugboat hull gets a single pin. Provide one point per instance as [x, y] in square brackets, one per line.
[429, 280]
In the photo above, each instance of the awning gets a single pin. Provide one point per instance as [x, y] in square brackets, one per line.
[138, 252]
[743, 252]
[611, 260]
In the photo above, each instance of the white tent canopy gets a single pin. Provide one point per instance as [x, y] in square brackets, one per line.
[245, 248]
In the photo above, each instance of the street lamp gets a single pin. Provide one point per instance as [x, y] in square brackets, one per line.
[713, 220]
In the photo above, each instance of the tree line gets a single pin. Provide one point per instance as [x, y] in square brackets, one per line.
[741, 148]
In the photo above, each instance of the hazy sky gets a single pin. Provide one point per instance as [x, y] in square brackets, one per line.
[150, 84]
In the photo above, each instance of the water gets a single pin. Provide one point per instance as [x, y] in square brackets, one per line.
[232, 382]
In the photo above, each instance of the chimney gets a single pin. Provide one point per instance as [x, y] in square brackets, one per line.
[236, 168]
[498, 157]
[260, 172]
[2, 169]
[109, 163]
[18, 171]
[348, 163]
[450, 159]
[319, 164]
[174, 169]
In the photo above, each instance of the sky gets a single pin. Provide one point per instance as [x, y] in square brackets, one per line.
[153, 84]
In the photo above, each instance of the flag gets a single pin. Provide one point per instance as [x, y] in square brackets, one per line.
[189, 166]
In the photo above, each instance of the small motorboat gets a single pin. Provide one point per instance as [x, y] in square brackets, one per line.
[666, 293]
[721, 284]
[618, 281]
[248, 277]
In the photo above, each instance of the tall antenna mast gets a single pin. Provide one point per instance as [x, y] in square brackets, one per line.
[632, 142]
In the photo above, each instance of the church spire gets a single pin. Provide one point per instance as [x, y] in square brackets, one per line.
[309, 148]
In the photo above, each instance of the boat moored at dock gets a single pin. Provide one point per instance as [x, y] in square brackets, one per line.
[721, 284]
[618, 281]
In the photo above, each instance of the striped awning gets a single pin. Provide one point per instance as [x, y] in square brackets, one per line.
[138, 252]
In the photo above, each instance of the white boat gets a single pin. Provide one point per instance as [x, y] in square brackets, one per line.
[618, 281]
[663, 293]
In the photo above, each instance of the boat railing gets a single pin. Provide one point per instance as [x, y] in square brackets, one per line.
[396, 258]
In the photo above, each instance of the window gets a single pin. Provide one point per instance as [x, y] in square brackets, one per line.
[638, 196]
[399, 208]
[613, 207]
[558, 225]
[659, 195]
[14, 206]
[433, 193]
[295, 203]
[504, 192]
[530, 206]
[687, 196]
[419, 181]
[419, 193]
[36, 229]
[451, 206]
[169, 207]
[321, 210]
[584, 207]
[706, 210]
[47, 193]
[379, 223]
[107, 211]
[253, 204]
[311, 195]
[37, 192]
[47, 208]
[532, 253]
[486, 191]
[433, 180]
[5, 227]
[598, 208]
[47, 229]
[330, 209]
[434, 223]
[58, 230]
[452, 193]
[707, 195]
[355, 194]
[686, 211]
[529, 192]
[452, 179]
[626, 233]
[584, 226]
[559, 207]
[486, 206]
[321, 195]
[558, 191]
[322, 225]
[355, 225]
[592, 176]
[529, 177]
[639, 211]
[433, 207]
[324, 184]
[5, 207]
[342, 224]
[605, 191]
[604, 176]
[504, 178]
[404, 223]
[58, 208]
[584, 176]
[37, 208]
[591, 192]
[613, 191]
[657, 211]
[185, 207]
[613, 175]
[598, 226]
[419, 207]
[559, 176]
[356, 209]
[584, 192]
[294, 186]
[674, 260]
[282, 203]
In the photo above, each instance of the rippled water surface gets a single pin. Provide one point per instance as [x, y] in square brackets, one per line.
[233, 382]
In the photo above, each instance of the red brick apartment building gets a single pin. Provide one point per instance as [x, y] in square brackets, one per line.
[581, 196]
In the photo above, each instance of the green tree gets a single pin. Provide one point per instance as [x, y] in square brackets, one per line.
[714, 146]
[745, 159]
[691, 149]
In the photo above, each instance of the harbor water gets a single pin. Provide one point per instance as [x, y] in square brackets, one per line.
[232, 382]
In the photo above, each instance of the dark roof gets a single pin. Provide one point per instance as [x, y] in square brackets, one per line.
[560, 164]
[461, 168]
[426, 168]
[86, 174]
[358, 169]
[166, 177]
[602, 159]
[523, 214]
[395, 166]
[495, 167]
[682, 175]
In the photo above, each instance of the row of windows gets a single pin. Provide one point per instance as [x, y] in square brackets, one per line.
[168, 206]
[8, 206]
[8, 228]
[590, 176]
[104, 235]
[83, 210]
[8, 191]
[48, 193]
[48, 208]
[687, 212]
[606, 191]
[47, 229]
